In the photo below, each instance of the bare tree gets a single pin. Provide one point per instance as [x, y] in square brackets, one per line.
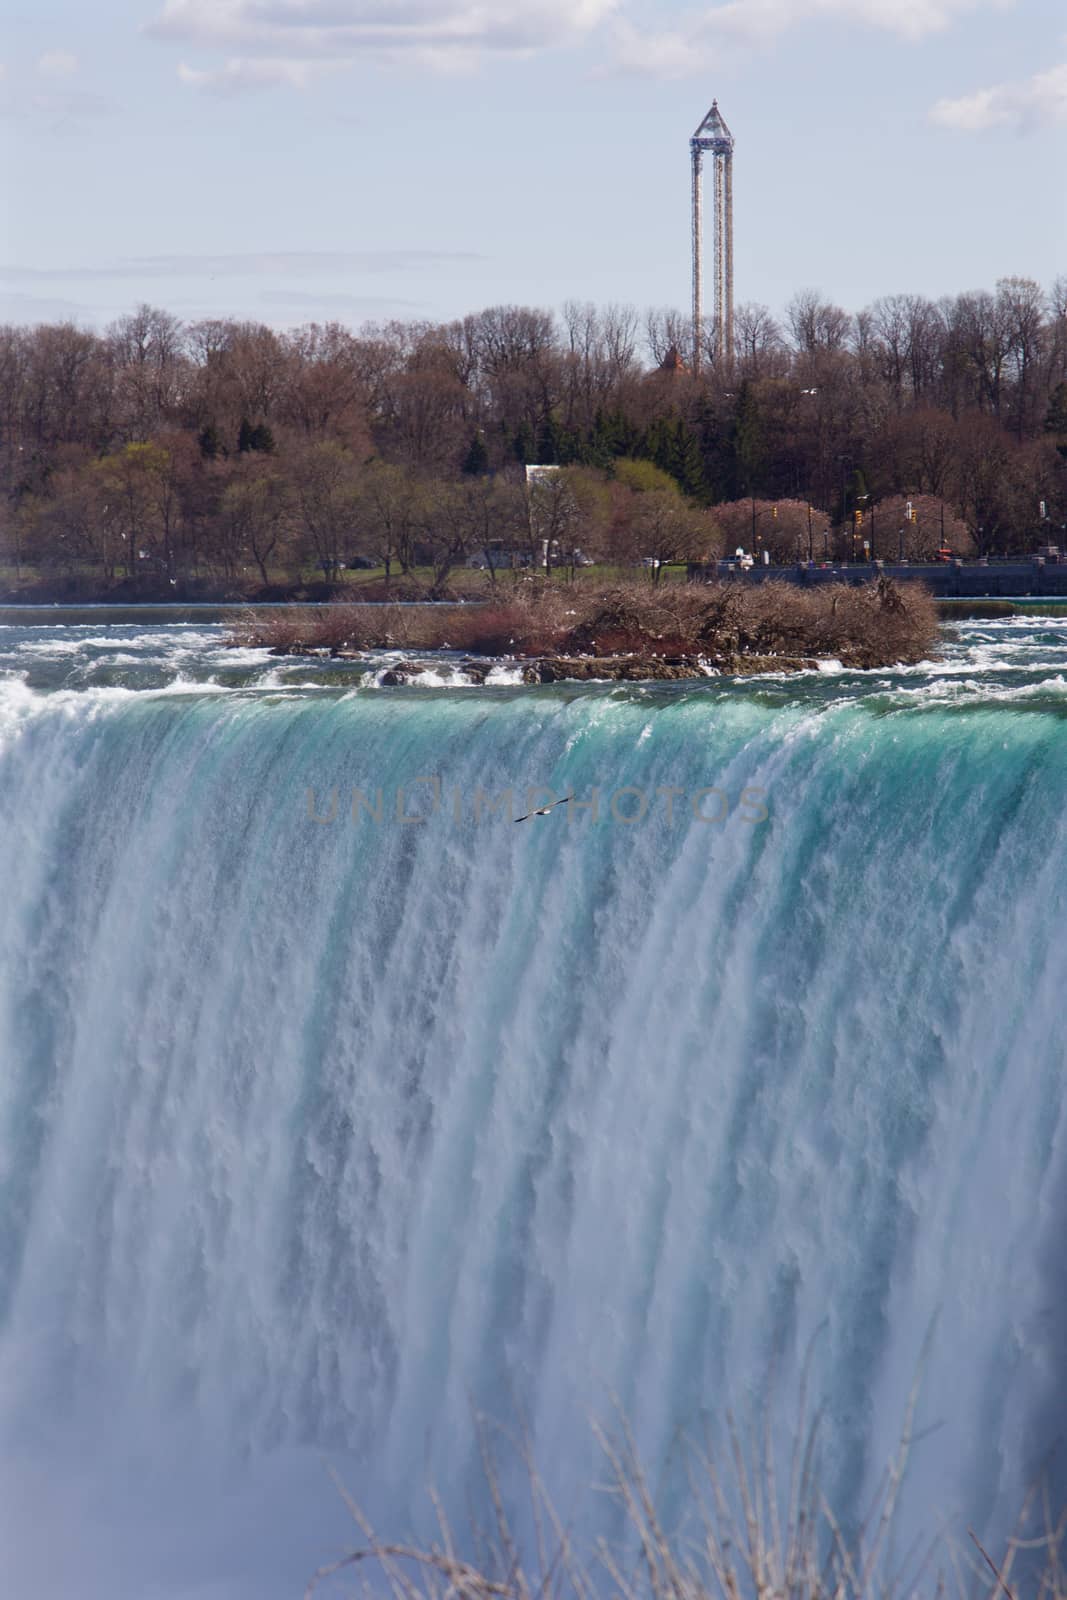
[465, 515]
[324, 392]
[258, 506]
[668, 332]
[1021, 304]
[326, 479]
[147, 349]
[816, 324]
[598, 361]
[757, 339]
[389, 514]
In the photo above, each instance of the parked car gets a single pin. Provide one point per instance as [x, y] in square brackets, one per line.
[363, 563]
[495, 554]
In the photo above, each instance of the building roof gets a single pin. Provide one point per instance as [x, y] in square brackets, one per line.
[672, 361]
[713, 134]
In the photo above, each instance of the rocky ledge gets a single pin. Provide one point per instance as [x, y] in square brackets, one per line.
[616, 669]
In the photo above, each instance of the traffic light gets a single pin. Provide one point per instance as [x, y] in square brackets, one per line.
[909, 512]
[774, 512]
[859, 519]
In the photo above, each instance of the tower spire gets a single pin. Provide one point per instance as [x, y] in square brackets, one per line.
[714, 138]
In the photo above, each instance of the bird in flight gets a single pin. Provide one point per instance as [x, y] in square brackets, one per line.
[542, 811]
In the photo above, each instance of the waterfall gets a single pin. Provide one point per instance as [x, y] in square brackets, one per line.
[335, 1105]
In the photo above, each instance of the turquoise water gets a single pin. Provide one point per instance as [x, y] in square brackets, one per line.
[335, 1103]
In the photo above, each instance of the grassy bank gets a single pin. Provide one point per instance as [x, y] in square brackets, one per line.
[733, 627]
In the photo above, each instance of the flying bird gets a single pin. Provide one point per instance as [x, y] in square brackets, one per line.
[542, 811]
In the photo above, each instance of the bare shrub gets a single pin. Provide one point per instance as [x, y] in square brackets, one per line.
[870, 625]
[750, 1528]
[664, 620]
[532, 622]
[293, 630]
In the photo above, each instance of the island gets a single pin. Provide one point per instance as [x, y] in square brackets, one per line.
[630, 632]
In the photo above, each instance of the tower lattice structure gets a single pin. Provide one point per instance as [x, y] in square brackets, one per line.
[714, 138]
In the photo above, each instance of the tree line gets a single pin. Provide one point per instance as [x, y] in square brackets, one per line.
[168, 451]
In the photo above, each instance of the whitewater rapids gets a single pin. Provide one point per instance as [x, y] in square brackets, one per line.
[321, 1126]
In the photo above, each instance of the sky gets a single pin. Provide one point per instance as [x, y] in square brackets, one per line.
[292, 161]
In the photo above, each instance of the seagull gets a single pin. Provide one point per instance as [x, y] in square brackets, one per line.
[542, 811]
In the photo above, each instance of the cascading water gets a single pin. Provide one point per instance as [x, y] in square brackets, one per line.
[320, 1127]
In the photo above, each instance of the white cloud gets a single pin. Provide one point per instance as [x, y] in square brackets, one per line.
[1036, 102]
[441, 32]
[752, 23]
[456, 34]
[243, 73]
[660, 55]
[58, 64]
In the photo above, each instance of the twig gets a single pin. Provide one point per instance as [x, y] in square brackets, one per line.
[994, 1569]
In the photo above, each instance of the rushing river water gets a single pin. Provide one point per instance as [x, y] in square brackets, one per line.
[334, 1104]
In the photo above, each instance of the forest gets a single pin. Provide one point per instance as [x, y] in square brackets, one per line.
[159, 456]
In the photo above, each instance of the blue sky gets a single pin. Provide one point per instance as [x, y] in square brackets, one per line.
[297, 160]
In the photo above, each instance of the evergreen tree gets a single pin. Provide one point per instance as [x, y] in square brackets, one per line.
[610, 437]
[748, 439]
[717, 456]
[1056, 418]
[570, 448]
[548, 442]
[672, 445]
[258, 437]
[476, 461]
[558, 446]
[209, 442]
[654, 444]
[687, 465]
[522, 444]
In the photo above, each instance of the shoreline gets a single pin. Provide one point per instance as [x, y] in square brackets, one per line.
[948, 609]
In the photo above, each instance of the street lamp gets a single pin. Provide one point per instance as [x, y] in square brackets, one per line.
[866, 509]
[857, 520]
